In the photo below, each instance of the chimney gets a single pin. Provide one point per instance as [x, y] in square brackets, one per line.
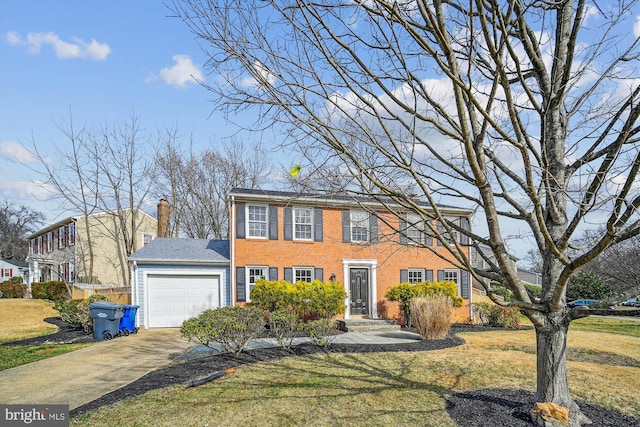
[163, 218]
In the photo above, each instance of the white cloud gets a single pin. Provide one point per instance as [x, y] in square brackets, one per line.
[265, 76]
[27, 192]
[77, 48]
[181, 74]
[15, 152]
[636, 27]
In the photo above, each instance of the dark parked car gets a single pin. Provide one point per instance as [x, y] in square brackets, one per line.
[581, 303]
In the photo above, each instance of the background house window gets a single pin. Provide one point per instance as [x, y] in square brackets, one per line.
[72, 234]
[416, 275]
[146, 238]
[303, 274]
[62, 237]
[257, 221]
[303, 223]
[50, 241]
[359, 226]
[254, 274]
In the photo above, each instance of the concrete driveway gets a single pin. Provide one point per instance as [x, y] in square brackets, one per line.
[84, 375]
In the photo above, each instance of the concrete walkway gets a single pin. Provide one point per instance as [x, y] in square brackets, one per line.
[84, 375]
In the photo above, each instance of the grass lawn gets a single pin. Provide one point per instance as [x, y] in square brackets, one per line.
[399, 389]
[21, 319]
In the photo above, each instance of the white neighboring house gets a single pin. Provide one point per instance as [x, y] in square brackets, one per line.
[10, 268]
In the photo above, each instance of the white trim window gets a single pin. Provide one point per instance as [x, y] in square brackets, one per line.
[452, 276]
[146, 239]
[303, 274]
[62, 237]
[303, 223]
[416, 275]
[415, 230]
[72, 233]
[50, 241]
[257, 221]
[359, 226]
[255, 273]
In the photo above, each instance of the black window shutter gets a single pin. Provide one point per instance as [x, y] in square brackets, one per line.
[464, 284]
[403, 232]
[273, 273]
[429, 275]
[288, 274]
[440, 275]
[404, 276]
[241, 285]
[288, 223]
[464, 224]
[240, 221]
[373, 228]
[273, 223]
[317, 225]
[318, 274]
[346, 226]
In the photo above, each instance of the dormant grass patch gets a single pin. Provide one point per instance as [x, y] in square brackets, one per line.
[23, 318]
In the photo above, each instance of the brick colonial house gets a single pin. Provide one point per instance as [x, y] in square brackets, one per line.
[291, 236]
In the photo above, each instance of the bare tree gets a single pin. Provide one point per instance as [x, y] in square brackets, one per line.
[620, 266]
[197, 184]
[103, 170]
[16, 222]
[526, 110]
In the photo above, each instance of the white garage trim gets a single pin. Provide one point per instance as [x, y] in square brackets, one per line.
[174, 295]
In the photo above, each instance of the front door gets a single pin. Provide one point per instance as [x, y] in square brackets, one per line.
[359, 291]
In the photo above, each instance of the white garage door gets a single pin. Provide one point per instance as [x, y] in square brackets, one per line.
[174, 299]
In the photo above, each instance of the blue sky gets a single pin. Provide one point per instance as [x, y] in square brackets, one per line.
[97, 62]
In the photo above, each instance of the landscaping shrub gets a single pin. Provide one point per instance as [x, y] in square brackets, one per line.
[322, 331]
[405, 292]
[494, 315]
[307, 299]
[230, 327]
[12, 290]
[503, 292]
[534, 291]
[431, 316]
[39, 290]
[285, 326]
[76, 312]
[587, 284]
[52, 290]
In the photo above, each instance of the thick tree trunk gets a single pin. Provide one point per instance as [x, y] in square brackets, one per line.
[552, 380]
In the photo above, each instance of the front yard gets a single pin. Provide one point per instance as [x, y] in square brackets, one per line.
[396, 388]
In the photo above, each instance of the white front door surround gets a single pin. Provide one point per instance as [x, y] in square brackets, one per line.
[371, 265]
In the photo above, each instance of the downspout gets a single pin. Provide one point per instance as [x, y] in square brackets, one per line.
[232, 239]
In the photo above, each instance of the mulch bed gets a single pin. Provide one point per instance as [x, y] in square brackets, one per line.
[477, 408]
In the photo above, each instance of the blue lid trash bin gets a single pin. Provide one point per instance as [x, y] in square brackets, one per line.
[128, 320]
[106, 319]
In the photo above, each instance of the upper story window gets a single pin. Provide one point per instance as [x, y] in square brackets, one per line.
[452, 237]
[415, 231]
[257, 221]
[359, 226]
[303, 223]
[72, 233]
[62, 237]
[416, 275]
[253, 275]
[50, 241]
[303, 274]
[146, 238]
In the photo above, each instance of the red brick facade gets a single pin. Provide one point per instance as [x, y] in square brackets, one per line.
[286, 236]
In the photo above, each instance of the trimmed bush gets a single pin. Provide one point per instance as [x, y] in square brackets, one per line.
[431, 316]
[534, 291]
[307, 299]
[285, 326]
[494, 315]
[12, 290]
[587, 284]
[230, 327]
[322, 331]
[39, 290]
[76, 312]
[405, 292]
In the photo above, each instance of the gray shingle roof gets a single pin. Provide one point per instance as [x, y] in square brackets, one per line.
[198, 251]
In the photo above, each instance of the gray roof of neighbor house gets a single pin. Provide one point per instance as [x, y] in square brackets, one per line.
[19, 264]
[331, 199]
[183, 251]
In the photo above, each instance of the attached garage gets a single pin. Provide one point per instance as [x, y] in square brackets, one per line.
[173, 299]
[176, 279]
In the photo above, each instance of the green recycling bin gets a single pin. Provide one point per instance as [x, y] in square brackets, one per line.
[106, 319]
